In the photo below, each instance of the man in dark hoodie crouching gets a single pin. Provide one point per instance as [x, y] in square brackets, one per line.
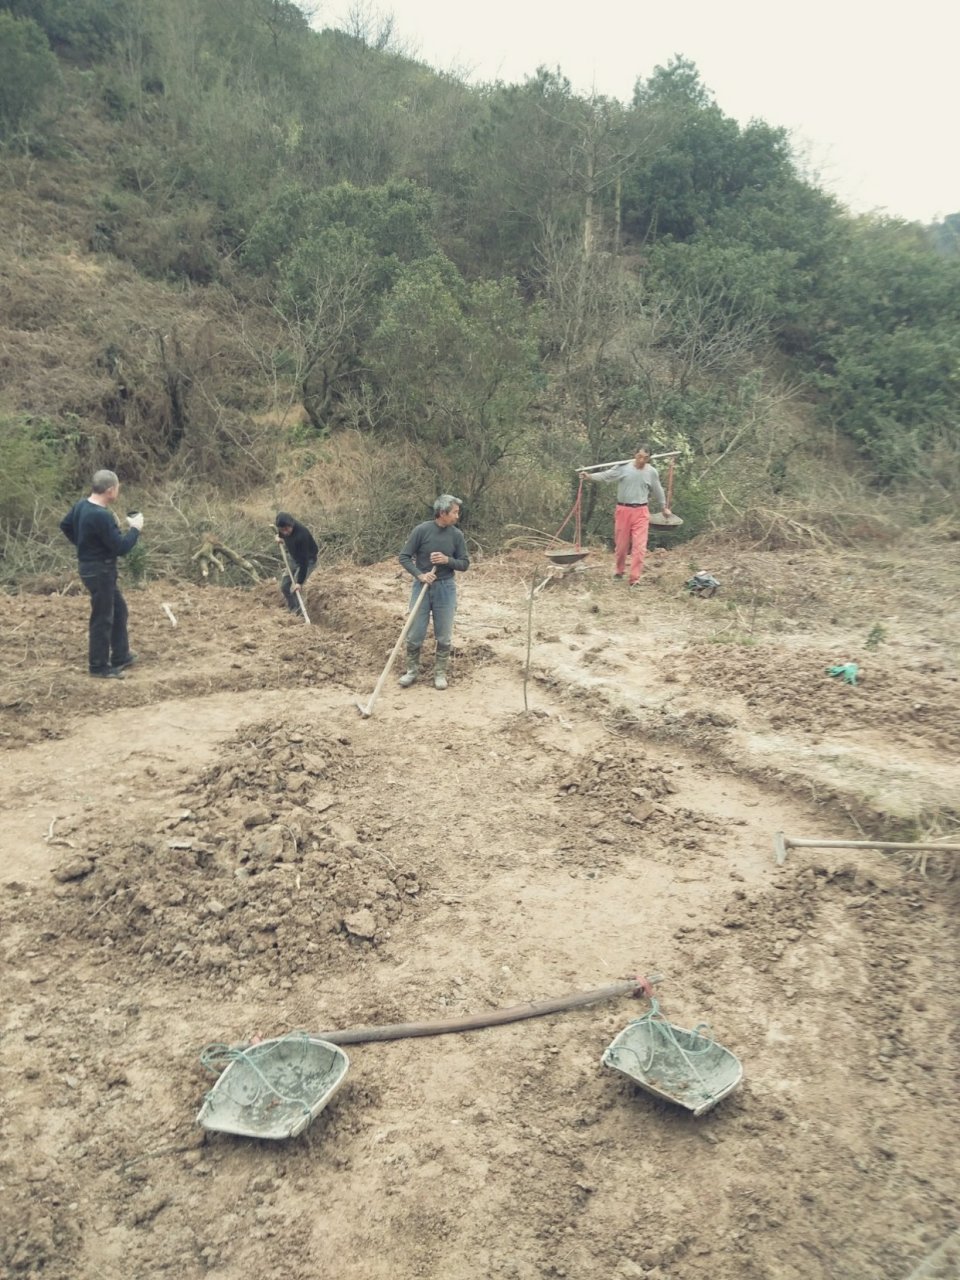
[302, 552]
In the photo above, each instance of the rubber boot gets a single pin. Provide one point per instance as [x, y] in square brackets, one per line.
[440, 669]
[413, 667]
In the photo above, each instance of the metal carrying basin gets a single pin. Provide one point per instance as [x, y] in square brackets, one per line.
[566, 557]
[680, 1066]
[273, 1089]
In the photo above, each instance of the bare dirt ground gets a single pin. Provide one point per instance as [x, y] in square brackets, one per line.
[220, 847]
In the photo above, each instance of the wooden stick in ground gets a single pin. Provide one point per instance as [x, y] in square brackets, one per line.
[526, 668]
[494, 1018]
[366, 710]
[298, 594]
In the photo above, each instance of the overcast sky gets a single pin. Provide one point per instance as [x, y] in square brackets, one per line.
[868, 91]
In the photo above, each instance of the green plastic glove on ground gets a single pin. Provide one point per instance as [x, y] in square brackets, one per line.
[846, 669]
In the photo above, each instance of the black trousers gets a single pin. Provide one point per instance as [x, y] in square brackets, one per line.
[286, 586]
[108, 615]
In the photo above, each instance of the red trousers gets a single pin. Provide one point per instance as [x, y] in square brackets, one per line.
[630, 528]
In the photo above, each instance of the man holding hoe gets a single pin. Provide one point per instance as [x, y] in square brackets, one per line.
[300, 545]
[434, 552]
[636, 482]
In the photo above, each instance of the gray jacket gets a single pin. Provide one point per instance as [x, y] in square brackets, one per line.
[428, 537]
[634, 484]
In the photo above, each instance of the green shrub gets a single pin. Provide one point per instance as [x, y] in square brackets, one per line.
[28, 71]
[136, 562]
[33, 472]
[692, 501]
[78, 28]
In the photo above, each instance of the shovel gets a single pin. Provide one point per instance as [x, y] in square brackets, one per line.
[367, 710]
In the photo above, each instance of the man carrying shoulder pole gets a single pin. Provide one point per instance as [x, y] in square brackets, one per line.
[637, 482]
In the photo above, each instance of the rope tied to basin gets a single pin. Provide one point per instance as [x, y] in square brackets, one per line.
[575, 511]
[216, 1057]
[656, 1018]
[683, 1066]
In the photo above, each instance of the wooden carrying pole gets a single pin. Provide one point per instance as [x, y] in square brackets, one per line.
[492, 1018]
[783, 843]
[366, 710]
[602, 466]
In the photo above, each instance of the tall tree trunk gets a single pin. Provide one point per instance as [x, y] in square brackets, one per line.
[588, 209]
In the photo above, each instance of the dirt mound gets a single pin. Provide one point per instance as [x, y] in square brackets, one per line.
[794, 690]
[614, 793]
[254, 880]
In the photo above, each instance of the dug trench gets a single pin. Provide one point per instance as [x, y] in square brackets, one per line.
[220, 847]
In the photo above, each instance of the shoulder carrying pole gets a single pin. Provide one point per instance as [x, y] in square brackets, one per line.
[493, 1017]
[602, 466]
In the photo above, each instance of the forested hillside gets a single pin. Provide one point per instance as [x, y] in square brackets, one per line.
[242, 254]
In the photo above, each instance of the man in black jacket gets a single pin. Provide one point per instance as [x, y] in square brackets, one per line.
[303, 552]
[94, 531]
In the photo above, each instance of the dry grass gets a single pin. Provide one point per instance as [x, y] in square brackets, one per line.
[790, 524]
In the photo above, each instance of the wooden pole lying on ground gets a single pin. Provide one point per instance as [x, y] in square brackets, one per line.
[366, 710]
[783, 843]
[298, 594]
[493, 1018]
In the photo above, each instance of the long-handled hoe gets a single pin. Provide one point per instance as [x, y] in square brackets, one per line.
[298, 594]
[367, 710]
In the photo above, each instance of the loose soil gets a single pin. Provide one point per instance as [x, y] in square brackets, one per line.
[220, 847]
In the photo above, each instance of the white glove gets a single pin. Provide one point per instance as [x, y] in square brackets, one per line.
[135, 522]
